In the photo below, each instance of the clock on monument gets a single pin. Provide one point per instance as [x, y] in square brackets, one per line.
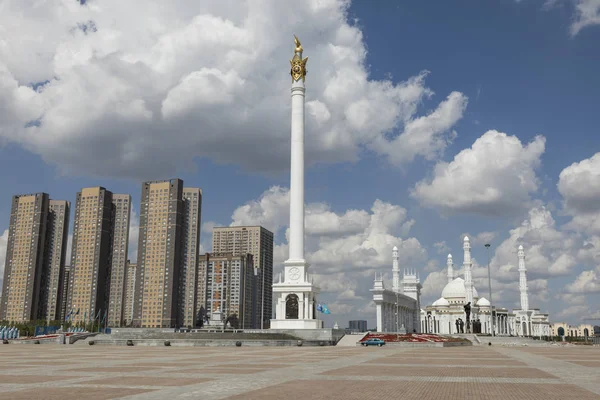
[294, 273]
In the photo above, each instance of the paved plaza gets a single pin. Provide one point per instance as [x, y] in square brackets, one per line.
[298, 373]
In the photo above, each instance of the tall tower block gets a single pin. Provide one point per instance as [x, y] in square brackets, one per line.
[296, 295]
[523, 279]
[395, 270]
[468, 268]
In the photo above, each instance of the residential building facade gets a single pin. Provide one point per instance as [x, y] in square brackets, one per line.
[121, 215]
[24, 263]
[64, 292]
[129, 293]
[188, 298]
[91, 254]
[258, 241]
[54, 260]
[159, 255]
[229, 286]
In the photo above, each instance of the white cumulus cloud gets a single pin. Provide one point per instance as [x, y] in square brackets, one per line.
[496, 176]
[140, 90]
[587, 13]
[354, 240]
[579, 185]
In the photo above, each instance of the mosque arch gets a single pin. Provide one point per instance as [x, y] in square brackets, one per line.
[586, 332]
[561, 331]
[291, 306]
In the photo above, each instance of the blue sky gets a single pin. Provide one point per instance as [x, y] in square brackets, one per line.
[135, 101]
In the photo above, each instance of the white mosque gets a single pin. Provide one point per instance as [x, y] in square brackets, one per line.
[399, 309]
[442, 316]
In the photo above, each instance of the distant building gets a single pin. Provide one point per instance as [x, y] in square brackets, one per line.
[121, 208]
[93, 231]
[357, 326]
[257, 241]
[446, 314]
[229, 284]
[57, 236]
[159, 255]
[188, 296]
[64, 292]
[564, 329]
[24, 258]
[129, 293]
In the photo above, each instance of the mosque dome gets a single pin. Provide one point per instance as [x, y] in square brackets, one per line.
[456, 290]
[483, 302]
[441, 302]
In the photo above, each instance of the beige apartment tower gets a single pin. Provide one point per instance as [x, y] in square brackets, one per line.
[91, 254]
[229, 286]
[159, 255]
[129, 293]
[188, 298]
[25, 252]
[57, 236]
[64, 292]
[257, 241]
[121, 214]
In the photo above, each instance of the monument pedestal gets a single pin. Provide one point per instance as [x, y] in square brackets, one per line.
[296, 324]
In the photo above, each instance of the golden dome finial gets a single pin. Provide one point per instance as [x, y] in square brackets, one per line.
[298, 45]
[297, 63]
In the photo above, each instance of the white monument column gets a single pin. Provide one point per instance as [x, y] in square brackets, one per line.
[395, 270]
[296, 243]
[297, 293]
[467, 267]
[523, 279]
[450, 265]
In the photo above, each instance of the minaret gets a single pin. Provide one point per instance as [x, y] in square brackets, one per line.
[395, 270]
[411, 287]
[296, 296]
[523, 279]
[467, 267]
[450, 265]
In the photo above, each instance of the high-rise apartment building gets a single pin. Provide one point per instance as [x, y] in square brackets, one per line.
[121, 213]
[64, 292]
[192, 213]
[129, 293]
[257, 241]
[229, 286]
[357, 326]
[159, 254]
[25, 253]
[57, 235]
[91, 254]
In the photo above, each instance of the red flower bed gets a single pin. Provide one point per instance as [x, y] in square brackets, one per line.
[410, 337]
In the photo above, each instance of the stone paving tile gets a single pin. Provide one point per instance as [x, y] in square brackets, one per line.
[174, 373]
[217, 370]
[593, 364]
[111, 369]
[437, 371]
[24, 379]
[321, 390]
[75, 393]
[146, 381]
[447, 361]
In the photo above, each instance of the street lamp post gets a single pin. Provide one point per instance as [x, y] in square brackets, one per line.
[487, 246]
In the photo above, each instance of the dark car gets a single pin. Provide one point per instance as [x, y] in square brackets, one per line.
[373, 342]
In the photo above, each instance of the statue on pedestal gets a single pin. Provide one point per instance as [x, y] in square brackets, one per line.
[468, 313]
